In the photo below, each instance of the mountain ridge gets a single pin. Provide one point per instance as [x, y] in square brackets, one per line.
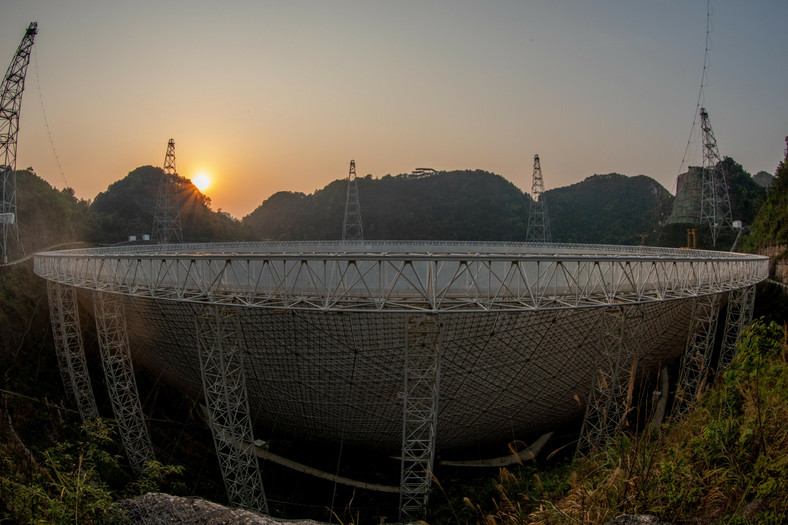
[451, 205]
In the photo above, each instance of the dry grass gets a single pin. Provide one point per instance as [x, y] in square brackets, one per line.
[726, 462]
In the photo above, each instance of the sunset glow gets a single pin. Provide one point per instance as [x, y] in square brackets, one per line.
[202, 181]
[592, 87]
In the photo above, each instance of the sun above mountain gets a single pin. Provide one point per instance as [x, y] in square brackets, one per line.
[202, 180]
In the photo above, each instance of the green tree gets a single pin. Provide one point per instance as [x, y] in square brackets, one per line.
[771, 223]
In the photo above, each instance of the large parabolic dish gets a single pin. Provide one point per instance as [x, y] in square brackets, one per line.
[324, 324]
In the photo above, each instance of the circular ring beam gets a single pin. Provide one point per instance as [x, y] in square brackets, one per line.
[404, 276]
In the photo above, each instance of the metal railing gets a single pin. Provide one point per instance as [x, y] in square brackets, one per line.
[405, 275]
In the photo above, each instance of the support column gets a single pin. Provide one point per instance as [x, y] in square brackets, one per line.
[64, 315]
[697, 355]
[420, 417]
[220, 351]
[119, 372]
[610, 399]
[60, 351]
[740, 306]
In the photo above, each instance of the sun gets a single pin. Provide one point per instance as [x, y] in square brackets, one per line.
[202, 181]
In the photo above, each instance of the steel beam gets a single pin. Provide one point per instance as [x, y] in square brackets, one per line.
[64, 316]
[167, 215]
[60, 350]
[423, 277]
[352, 229]
[715, 201]
[420, 416]
[697, 355]
[538, 218]
[119, 373]
[224, 384]
[10, 105]
[610, 400]
[740, 306]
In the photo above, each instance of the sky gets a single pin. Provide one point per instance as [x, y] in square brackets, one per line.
[268, 96]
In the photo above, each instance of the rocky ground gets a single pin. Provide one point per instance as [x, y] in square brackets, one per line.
[157, 508]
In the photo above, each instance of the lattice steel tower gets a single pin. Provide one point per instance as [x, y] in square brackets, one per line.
[715, 207]
[351, 227]
[167, 218]
[10, 104]
[538, 221]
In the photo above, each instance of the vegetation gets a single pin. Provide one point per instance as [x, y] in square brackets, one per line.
[128, 207]
[46, 216]
[746, 195]
[456, 205]
[53, 470]
[49, 217]
[770, 227]
[727, 462]
[608, 209]
[77, 481]
[763, 178]
[468, 205]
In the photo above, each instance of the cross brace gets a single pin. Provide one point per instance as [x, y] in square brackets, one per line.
[420, 417]
[119, 373]
[64, 316]
[224, 385]
[740, 306]
[610, 400]
[696, 359]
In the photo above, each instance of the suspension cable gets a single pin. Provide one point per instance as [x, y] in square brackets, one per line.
[700, 91]
[46, 121]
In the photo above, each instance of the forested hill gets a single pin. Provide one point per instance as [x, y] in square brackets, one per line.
[770, 227]
[127, 208]
[454, 205]
[467, 205]
[608, 209]
[47, 217]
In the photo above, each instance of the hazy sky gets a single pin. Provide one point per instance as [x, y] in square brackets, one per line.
[269, 96]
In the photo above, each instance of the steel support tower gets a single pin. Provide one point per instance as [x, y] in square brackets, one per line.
[167, 217]
[610, 400]
[351, 226]
[420, 417]
[57, 332]
[119, 372]
[224, 385]
[715, 208]
[740, 307]
[538, 220]
[696, 359]
[64, 315]
[10, 105]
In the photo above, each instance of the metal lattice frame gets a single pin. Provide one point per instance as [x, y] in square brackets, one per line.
[60, 348]
[696, 359]
[10, 106]
[519, 324]
[67, 332]
[538, 220]
[420, 416]
[167, 217]
[740, 307]
[119, 372]
[621, 331]
[406, 277]
[715, 202]
[224, 386]
[351, 226]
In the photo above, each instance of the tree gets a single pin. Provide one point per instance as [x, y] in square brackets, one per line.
[771, 224]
